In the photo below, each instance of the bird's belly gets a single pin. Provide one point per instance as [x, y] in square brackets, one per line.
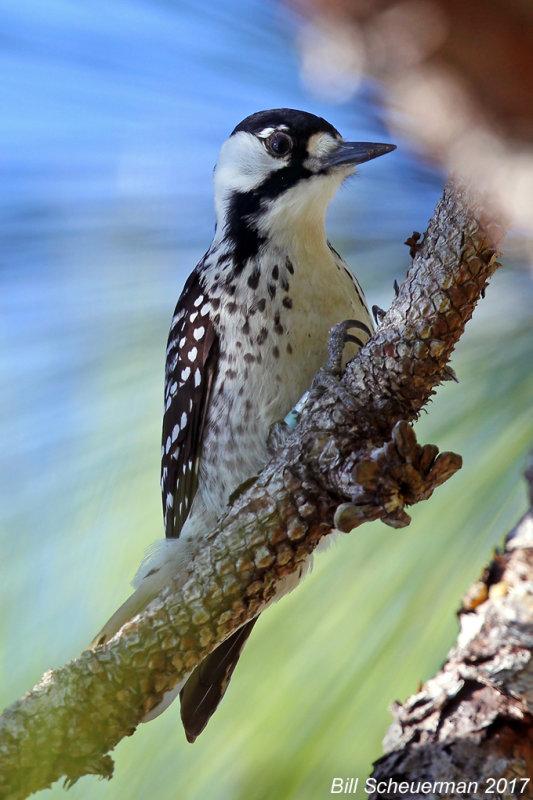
[277, 366]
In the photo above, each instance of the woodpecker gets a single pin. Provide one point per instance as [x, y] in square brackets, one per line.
[248, 334]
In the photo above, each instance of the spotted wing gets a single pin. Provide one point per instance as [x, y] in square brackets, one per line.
[192, 356]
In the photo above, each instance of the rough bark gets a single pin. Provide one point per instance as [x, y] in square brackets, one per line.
[343, 465]
[472, 724]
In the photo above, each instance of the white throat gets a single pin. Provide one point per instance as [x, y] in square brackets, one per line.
[300, 212]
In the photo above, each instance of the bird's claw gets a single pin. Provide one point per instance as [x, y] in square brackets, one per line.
[328, 381]
[378, 313]
[338, 339]
[277, 435]
[328, 377]
[448, 374]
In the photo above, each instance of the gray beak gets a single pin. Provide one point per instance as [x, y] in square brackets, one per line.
[352, 153]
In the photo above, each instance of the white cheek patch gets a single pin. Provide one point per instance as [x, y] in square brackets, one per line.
[319, 146]
[243, 164]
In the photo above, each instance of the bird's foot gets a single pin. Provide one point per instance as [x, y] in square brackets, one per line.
[328, 377]
[338, 339]
[378, 314]
[327, 381]
[278, 434]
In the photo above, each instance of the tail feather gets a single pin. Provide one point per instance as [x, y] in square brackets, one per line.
[129, 609]
[161, 563]
[205, 687]
[208, 682]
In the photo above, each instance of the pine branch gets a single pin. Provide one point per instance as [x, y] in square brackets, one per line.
[346, 463]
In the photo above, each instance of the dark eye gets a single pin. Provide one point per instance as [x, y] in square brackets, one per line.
[279, 143]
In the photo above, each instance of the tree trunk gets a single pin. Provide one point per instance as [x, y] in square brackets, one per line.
[469, 731]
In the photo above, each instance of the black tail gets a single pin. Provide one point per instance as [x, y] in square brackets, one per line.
[208, 682]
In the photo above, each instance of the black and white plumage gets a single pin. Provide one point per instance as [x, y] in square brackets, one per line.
[249, 332]
[192, 359]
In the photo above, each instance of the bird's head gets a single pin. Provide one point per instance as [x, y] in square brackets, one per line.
[279, 170]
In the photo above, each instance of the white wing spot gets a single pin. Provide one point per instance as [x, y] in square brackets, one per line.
[176, 318]
[197, 378]
[199, 300]
[185, 373]
[204, 310]
[167, 447]
[198, 333]
[175, 432]
[193, 352]
[173, 388]
[182, 342]
[183, 420]
[193, 316]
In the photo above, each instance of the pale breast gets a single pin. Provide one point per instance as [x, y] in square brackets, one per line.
[273, 339]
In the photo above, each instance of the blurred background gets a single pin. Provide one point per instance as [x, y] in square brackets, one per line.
[112, 117]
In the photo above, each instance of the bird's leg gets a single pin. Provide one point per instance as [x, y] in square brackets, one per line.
[338, 339]
[280, 431]
[328, 376]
